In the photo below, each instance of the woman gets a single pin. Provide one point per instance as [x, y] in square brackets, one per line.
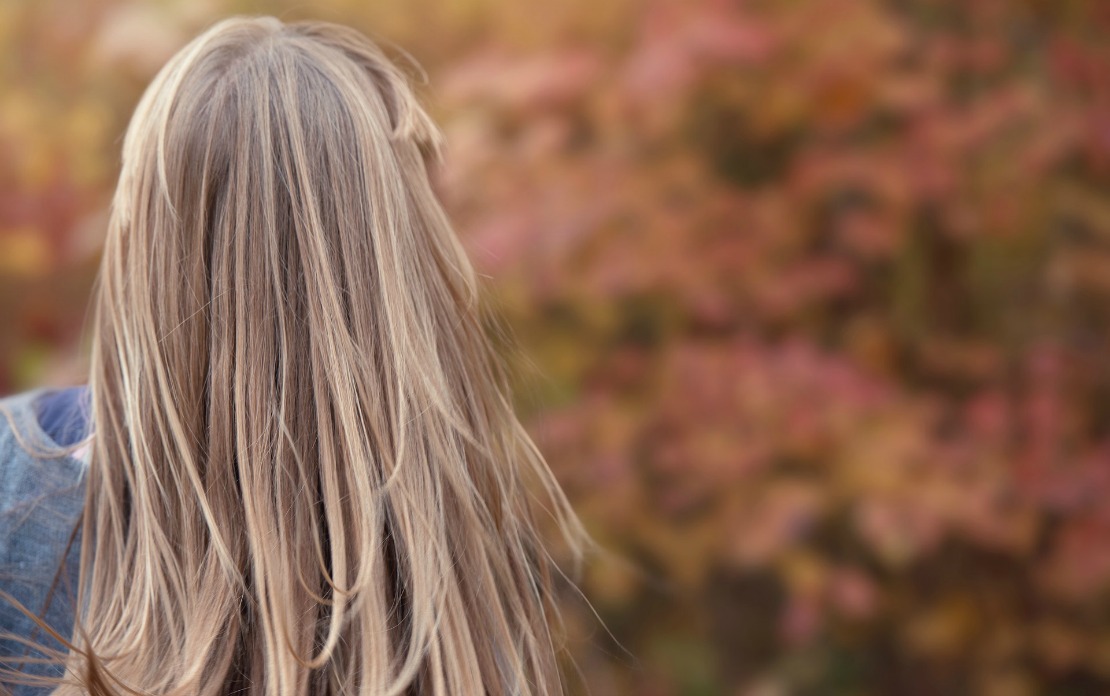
[303, 473]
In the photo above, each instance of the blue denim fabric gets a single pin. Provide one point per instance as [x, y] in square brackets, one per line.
[42, 495]
[63, 414]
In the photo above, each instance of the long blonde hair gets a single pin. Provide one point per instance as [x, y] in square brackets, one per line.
[306, 476]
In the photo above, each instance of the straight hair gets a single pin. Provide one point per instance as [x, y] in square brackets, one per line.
[306, 473]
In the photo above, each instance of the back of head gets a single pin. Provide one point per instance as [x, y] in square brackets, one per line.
[307, 477]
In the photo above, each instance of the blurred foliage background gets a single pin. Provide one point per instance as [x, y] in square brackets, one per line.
[813, 295]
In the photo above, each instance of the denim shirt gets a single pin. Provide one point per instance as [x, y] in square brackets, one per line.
[42, 496]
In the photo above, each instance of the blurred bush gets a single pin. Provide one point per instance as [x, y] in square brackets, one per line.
[815, 296]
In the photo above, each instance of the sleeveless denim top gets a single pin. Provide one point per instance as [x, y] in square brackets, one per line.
[42, 496]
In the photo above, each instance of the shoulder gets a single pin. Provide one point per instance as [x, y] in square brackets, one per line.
[42, 493]
[45, 422]
[20, 441]
[41, 485]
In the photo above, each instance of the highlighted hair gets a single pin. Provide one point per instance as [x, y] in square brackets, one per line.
[306, 475]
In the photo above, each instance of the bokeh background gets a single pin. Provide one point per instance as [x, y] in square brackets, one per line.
[812, 299]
